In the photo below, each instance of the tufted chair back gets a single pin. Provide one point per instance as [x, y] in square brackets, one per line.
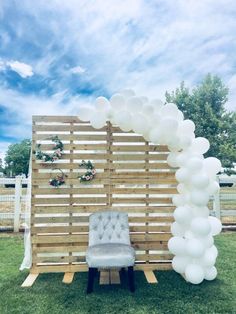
[108, 227]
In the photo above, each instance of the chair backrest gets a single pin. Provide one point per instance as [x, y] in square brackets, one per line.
[109, 227]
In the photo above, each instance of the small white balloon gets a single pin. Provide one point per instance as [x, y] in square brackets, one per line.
[200, 226]
[194, 274]
[102, 103]
[178, 200]
[182, 175]
[216, 225]
[212, 166]
[200, 145]
[169, 110]
[200, 211]
[123, 118]
[179, 263]
[213, 250]
[139, 124]
[168, 125]
[210, 273]
[182, 159]
[185, 141]
[171, 160]
[187, 126]
[199, 197]
[208, 259]
[176, 245]
[98, 120]
[213, 188]
[155, 135]
[207, 241]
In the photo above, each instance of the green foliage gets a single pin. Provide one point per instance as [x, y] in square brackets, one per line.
[17, 158]
[172, 295]
[204, 105]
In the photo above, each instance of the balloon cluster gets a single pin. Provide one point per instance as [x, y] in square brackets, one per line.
[193, 230]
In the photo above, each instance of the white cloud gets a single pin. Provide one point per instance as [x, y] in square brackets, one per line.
[77, 70]
[23, 69]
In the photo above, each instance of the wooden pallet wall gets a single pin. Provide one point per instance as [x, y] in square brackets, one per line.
[132, 176]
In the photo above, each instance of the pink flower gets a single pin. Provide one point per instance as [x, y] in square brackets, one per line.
[87, 178]
[93, 171]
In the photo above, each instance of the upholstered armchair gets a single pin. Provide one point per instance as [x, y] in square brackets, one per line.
[109, 245]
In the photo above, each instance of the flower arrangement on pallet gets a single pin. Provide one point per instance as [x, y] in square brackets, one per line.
[57, 151]
[58, 179]
[90, 173]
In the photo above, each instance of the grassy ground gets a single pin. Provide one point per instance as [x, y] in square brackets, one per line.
[171, 295]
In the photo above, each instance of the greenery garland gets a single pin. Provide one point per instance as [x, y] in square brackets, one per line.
[90, 173]
[57, 154]
[58, 180]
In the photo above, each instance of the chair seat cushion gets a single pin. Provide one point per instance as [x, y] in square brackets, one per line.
[110, 255]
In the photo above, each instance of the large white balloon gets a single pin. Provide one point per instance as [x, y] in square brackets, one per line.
[194, 248]
[182, 215]
[210, 273]
[123, 119]
[200, 180]
[85, 112]
[187, 126]
[176, 245]
[194, 273]
[200, 226]
[178, 200]
[200, 211]
[216, 225]
[134, 104]
[102, 103]
[213, 188]
[117, 101]
[157, 104]
[200, 145]
[182, 175]
[180, 263]
[171, 160]
[208, 259]
[155, 135]
[168, 125]
[212, 166]
[194, 164]
[169, 110]
[199, 197]
[177, 230]
[98, 120]
[213, 250]
[139, 124]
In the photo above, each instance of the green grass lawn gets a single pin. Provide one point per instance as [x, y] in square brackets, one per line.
[171, 295]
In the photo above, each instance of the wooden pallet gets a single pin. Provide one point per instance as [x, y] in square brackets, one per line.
[132, 176]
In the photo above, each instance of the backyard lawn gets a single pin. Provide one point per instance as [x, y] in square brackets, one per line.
[171, 295]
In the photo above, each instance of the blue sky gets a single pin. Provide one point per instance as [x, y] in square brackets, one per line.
[56, 55]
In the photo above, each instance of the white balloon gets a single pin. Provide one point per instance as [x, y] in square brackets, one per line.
[134, 104]
[194, 164]
[168, 125]
[171, 160]
[194, 273]
[127, 92]
[199, 180]
[123, 118]
[155, 135]
[207, 241]
[194, 248]
[200, 226]
[179, 263]
[157, 104]
[213, 250]
[199, 197]
[85, 112]
[178, 200]
[182, 159]
[144, 99]
[185, 141]
[187, 126]
[177, 229]
[180, 116]
[212, 166]
[216, 225]
[98, 120]
[208, 259]
[148, 109]
[176, 245]
[200, 211]
[117, 101]
[210, 273]
[102, 103]
[182, 214]
[200, 145]
[182, 175]
[139, 123]
[189, 234]
[181, 188]
[170, 110]
[213, 188]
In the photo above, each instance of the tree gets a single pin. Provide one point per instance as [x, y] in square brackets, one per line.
[204, 105]
[17, 158]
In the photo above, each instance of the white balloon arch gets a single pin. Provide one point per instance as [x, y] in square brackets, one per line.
[193, 230]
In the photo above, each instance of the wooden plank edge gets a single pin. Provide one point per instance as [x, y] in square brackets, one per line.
[68, 278]
[114, 277]
[30, 279]
[150, 276]
[104, 277]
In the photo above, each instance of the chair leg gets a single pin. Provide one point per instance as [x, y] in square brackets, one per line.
[91, 274]
[131, 278]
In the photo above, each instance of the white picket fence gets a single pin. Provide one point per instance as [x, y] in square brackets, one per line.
[17, 200]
